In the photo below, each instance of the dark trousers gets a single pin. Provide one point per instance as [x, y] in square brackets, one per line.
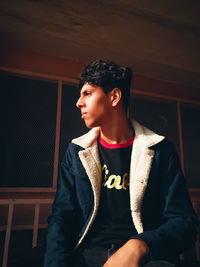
[94, 256]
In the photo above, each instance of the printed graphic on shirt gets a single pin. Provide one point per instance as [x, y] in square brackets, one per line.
[113, 223]
[114, 181]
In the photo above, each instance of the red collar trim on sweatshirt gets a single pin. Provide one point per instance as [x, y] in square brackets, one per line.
[121, 145]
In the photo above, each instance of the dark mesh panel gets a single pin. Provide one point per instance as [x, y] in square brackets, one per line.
[28, 123]
[2, 242]
[190, 115]
[157, 114]
[71, 123]
[3, 215]
[20, 244]
[21, 253]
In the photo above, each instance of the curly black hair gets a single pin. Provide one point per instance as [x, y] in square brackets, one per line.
[108, 75]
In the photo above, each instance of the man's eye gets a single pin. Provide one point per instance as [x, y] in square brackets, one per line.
[87, 93]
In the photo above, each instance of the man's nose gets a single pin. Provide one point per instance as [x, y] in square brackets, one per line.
[79, 103]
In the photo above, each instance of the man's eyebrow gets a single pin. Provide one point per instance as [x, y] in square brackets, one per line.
[85, 90]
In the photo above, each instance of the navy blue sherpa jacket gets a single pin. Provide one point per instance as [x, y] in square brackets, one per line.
[159, 202]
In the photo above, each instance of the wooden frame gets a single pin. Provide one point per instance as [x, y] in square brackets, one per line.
[57, 141]
[60, 80]
[35, 226]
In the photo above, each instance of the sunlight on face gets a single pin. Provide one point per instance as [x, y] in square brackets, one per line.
[95, 105]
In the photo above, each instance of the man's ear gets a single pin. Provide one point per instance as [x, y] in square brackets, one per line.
[116, 96]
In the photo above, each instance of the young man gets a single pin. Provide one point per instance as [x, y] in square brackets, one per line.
[121, 199]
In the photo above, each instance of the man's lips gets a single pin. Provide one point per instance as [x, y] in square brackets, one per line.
[83, 115]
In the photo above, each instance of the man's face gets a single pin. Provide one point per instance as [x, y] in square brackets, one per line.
[95, 105]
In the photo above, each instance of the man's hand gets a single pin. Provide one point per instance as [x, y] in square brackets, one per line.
[129, 255]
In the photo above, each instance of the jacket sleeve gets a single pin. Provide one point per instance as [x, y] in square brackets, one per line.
[178, 231]
[60, 234]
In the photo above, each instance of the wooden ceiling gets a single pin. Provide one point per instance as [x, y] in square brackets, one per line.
[156, 38]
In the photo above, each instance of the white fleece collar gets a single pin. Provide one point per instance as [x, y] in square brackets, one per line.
[142, 134]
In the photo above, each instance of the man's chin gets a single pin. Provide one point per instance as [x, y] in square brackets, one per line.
[91, 125]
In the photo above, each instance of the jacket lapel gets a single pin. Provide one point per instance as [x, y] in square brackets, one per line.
[139, 174]
[140, 167]
[91, 162]
[90, 159]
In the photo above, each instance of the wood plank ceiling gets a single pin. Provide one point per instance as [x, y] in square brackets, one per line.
[156, 38]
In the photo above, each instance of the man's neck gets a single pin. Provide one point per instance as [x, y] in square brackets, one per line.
[118, 131]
